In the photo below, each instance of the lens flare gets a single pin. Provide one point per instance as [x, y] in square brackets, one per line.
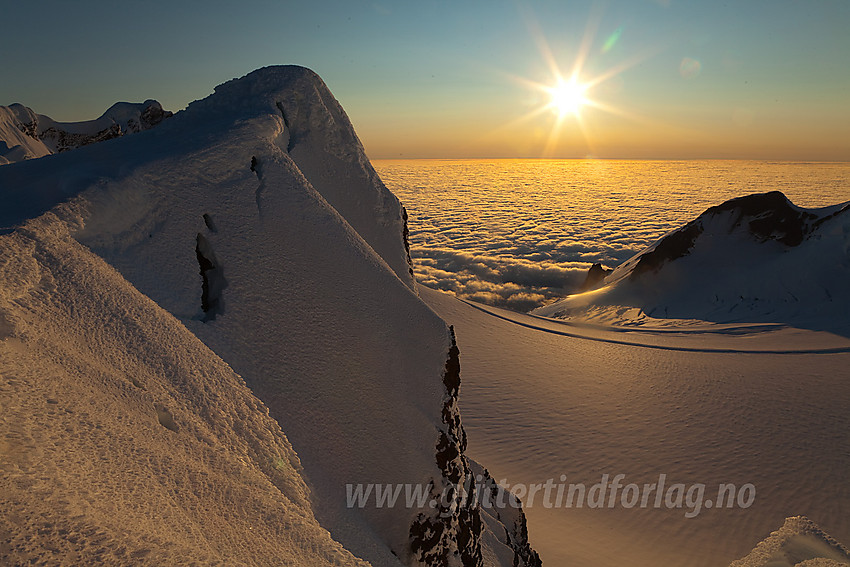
[690, 68]
[612, 40]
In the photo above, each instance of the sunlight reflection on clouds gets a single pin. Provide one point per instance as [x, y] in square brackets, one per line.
[519, 233]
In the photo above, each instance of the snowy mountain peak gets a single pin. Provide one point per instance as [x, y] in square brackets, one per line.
[762, 217]
[311, 116]
[135, 117]
[320, 139]
[757, 258]
[254, 222]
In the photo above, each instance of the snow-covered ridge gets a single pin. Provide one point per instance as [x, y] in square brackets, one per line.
[757, 258]
[254, 221]
[763, 217]
[27, 135]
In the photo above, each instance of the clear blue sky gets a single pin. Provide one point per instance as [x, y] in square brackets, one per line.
[760, 78]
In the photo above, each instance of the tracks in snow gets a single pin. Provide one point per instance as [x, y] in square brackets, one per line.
[597, 334]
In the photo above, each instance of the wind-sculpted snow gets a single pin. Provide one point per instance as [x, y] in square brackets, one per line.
[521, 233]
[242, 218]
[123, 439]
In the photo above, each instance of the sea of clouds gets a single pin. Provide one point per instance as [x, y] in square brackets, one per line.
[521, 233]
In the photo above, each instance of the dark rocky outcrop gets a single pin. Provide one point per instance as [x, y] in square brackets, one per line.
[405, 236]
[64, 141]
[151, 116]
[213, 281]
[454, 530]
[595, 277]
[673, 246]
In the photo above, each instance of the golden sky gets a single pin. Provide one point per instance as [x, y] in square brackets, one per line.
[765, 79]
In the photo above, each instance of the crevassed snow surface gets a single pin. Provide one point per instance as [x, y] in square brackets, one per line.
[760, 404]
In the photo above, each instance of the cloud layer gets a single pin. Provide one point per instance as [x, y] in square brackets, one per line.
[519, 233]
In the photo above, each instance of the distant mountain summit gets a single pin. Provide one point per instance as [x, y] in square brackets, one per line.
[27, 135]
[763, 217]
[754, 258]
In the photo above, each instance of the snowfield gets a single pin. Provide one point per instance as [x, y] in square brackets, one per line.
[702, 404]
[125, 440]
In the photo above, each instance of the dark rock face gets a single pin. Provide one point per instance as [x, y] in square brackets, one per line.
[764, 216]
[29, 128]
[673, 246]
[64, 141]
[595, 276]
[769, 216]
[213, 281]
[454, 530]
[405, 236]
[152, 115]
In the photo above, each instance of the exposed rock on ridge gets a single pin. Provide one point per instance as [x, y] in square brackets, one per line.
[49, 136]
[765, 216]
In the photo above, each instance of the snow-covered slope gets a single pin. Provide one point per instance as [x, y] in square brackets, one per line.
[27, 135]
[757, 258]
[123, 438]
[798, 543]
[15, 143]
[255, 219]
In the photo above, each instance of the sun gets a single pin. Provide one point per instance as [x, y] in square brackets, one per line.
[568, 96]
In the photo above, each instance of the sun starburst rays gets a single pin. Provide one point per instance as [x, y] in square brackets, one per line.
[572, 98]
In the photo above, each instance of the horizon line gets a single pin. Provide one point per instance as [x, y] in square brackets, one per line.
[604, 158]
